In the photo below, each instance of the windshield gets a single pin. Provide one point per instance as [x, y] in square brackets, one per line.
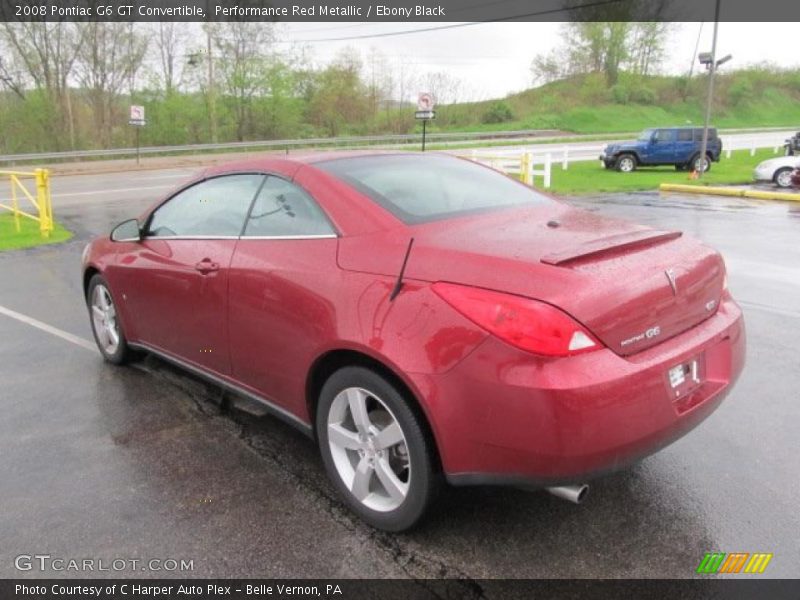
[418, 189]
[646, 135]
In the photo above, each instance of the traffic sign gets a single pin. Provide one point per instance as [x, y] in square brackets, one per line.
[425, 102]
[137, 115]
[426, 115]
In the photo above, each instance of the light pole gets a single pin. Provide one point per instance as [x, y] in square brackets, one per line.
[193, 61]
[709, 59]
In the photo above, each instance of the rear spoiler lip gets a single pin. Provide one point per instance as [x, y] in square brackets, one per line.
[615, 242]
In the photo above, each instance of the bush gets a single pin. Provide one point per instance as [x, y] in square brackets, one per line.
[620, 94]
[643, 95]
[740, 91]
[498, 112]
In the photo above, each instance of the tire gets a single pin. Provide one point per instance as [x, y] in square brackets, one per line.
[106, 327]
[626, 163]
[783, 177]
[396, 482]
[696, 164]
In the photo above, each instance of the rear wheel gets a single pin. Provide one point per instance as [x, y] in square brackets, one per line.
[106, 325]
[626, 163]
[375, 449]
[783, 177]
[701, 164]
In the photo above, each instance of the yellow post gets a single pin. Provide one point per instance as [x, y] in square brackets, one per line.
[44, 202]
[525, 168]
[14, 203]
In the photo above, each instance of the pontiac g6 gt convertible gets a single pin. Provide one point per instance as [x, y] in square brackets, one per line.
[425, 320]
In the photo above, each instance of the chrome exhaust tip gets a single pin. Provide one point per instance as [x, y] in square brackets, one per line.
[573, 493]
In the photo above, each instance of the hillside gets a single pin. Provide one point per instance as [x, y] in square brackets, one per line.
[584, 104]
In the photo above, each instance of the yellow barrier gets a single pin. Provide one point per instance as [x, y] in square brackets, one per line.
[42, 202]
[726, 191]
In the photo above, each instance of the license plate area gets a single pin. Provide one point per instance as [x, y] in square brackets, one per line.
[685, 377]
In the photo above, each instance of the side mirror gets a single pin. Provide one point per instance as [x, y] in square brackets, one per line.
[654, 139]
[127, 231]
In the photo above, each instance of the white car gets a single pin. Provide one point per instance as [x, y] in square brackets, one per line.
[777, 170]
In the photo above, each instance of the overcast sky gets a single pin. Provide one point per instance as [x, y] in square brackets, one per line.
[493, 59]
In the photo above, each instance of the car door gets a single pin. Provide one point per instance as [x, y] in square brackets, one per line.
[663, 147]
[175, 280]
[282, 277]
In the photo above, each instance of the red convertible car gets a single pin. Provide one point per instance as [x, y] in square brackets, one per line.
[424, 319]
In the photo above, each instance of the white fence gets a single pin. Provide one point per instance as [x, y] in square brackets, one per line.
[522, 165]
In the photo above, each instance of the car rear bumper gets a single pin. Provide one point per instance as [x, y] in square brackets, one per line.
[505, 417]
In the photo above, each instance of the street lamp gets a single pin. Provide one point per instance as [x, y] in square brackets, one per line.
[709, 60]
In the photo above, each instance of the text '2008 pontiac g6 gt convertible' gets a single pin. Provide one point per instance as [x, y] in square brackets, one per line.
[425, 319]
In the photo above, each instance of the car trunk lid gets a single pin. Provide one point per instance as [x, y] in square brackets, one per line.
[631, 286]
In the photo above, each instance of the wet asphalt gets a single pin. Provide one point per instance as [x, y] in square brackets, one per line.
[145, 462]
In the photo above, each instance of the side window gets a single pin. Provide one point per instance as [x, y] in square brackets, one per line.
[283, 209]
[685, 135]
[215, 207]
[665, 135]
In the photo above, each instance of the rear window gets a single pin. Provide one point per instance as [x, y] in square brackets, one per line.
[698, 134]
[684, 135]
[418, 189]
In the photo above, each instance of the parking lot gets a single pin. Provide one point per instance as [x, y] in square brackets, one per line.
[143, 462]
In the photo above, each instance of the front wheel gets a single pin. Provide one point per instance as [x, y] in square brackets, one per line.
[106, 325]
[626, 163]
[375, 449]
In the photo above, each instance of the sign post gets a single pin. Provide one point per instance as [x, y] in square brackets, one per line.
[138, 121]
[425, 113]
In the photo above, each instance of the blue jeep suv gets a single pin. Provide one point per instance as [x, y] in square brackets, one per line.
[679, 146]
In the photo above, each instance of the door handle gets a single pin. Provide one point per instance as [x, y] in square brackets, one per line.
[206, 266]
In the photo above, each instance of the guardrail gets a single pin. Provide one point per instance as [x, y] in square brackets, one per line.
[410, 138]
[42, 202]
[345, 141]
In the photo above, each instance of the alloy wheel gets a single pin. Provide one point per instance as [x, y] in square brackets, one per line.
[104, 319]
[369, 449]
[626, 165]
[784, 179]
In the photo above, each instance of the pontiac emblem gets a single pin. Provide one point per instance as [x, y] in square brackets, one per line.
[673, 283]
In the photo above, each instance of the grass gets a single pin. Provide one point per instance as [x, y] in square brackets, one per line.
[29, 235]
[589, 177]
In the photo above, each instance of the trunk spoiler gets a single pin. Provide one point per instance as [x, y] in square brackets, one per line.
[600, 246]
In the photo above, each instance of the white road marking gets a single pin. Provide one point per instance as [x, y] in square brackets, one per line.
[114, 190]
[23, 201]
[64, 335]
[186, 175]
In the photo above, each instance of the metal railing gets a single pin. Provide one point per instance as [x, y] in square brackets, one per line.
[572, 151]
[41, 202]
[343, 141]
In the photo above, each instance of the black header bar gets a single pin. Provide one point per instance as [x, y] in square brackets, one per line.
[403, 11]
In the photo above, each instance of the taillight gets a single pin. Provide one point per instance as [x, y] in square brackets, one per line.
[528, 324]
